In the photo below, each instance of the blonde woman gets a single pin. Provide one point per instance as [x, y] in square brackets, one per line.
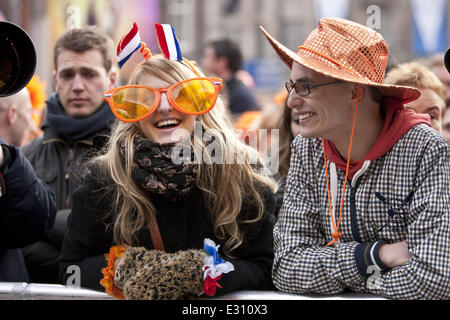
[135, 191]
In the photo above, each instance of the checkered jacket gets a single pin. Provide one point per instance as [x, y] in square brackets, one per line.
[403, 195]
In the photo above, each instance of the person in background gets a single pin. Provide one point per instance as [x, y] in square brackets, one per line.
[431, 100]
[27, 205]
[436, 64]
[15, 117]
[289, 126]
[446, 120]
[223, 58]
[77, 122]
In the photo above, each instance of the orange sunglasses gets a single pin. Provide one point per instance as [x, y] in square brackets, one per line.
[133, 103]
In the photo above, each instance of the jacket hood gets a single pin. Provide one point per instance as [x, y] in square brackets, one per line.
[398, 121]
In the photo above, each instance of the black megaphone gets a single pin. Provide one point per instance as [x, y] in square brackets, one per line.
[17, 58]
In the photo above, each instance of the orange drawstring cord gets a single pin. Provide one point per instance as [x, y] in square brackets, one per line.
[336, 234]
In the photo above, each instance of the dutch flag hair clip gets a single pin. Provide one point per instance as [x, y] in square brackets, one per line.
[167, 41]
[129, 44]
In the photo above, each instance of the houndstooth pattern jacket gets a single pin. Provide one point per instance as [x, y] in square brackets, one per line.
[403, 195]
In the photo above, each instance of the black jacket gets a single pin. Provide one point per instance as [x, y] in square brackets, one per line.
[27, 212]
[57, 160]
[183, 224]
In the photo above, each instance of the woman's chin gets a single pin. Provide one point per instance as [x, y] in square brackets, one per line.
[175, 137]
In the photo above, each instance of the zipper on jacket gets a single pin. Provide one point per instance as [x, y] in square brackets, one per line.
[353, 213]
[67, 176]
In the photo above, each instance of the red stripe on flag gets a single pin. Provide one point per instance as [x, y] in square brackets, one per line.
[161, 37]
[127, 38]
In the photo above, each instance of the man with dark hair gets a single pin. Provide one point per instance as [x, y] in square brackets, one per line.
[223, 58]
[76, 118]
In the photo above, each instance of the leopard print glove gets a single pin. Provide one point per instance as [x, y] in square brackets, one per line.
[156, 275]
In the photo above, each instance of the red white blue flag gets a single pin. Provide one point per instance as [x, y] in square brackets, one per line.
[128, 45]
[168, 42]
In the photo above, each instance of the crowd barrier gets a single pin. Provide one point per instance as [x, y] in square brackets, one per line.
[37, 291]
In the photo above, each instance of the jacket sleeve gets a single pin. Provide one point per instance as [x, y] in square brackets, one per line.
[427, 274]
[27, 206]
[86, 241]
[302, 264]
[253, 262]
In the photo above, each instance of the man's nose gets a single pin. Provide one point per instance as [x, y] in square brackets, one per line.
[164, 104]
[294, 100]
[77, 84]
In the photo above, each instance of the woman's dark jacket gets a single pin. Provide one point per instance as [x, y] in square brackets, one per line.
[27, 212]
[184, 224]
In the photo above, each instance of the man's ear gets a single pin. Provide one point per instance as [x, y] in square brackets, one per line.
[363, 90]
[112, 76]
[54, 79]
[11, 115]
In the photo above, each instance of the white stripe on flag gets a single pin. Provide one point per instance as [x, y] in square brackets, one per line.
[130, 47]
[170, 41]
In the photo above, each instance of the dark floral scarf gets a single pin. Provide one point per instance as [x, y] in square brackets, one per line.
[154, 170]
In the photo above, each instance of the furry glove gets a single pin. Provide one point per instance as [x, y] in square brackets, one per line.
[156, 275]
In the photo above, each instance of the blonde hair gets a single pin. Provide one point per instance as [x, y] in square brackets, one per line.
[415, 75]
[225, 186]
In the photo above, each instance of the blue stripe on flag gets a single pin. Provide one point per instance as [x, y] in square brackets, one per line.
[179, 57]
[122, 62]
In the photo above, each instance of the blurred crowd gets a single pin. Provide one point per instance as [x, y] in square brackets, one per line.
[59, 133]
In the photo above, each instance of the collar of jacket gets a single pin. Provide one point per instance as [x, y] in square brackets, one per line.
[397, 121]
[50, 136]
[73, 130]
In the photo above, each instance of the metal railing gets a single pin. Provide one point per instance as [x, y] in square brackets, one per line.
[38, 291]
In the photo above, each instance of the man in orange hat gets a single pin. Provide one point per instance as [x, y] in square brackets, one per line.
[367, 199]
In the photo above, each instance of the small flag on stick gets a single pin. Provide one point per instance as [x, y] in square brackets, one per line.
[168, 42]
[128, 45]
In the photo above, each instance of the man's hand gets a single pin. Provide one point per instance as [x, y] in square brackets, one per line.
[395, 254]
[1, 155]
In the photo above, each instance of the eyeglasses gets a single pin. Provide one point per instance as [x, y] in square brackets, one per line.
[303, 88]
[134, 103]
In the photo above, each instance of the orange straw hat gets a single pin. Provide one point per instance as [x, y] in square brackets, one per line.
[348, 51]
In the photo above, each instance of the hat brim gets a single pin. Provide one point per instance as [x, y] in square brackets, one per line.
[401, 93]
